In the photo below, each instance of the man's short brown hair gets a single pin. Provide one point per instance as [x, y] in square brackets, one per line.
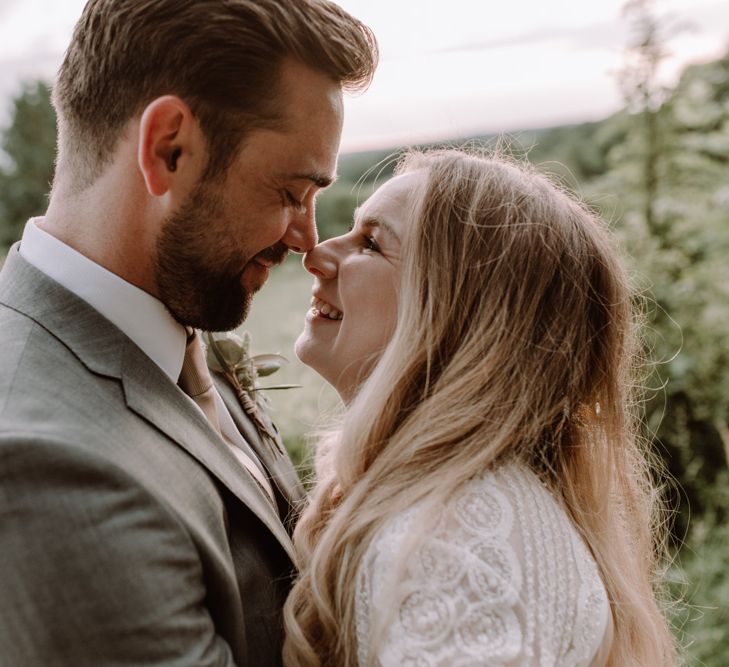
[222, 57]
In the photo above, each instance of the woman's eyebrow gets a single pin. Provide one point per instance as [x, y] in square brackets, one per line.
[372, 222]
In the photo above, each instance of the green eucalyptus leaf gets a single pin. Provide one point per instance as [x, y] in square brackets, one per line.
[278, 386]
[267, 364]
[213, 357]
[225, 351]
[215, 360]
[231, 351]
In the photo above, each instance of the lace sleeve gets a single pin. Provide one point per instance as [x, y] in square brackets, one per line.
[501, 579]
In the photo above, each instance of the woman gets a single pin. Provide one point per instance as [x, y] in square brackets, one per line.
[486, 500]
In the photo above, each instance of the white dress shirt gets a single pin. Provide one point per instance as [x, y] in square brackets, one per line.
[143, 318]
[138, 314]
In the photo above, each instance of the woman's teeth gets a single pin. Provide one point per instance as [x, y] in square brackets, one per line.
[326, 309]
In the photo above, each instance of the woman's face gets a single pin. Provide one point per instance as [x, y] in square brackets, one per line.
[355, 292]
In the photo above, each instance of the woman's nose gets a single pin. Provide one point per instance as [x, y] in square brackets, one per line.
[321, 260]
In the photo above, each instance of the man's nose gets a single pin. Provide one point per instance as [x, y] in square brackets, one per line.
[301, 235]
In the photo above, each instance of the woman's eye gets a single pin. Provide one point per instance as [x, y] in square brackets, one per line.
[370, 244]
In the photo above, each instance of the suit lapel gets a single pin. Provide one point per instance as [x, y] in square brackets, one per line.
[149, 393]
[278, 465]
[105, 350]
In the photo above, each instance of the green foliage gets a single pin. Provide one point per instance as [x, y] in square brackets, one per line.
[679, 258]
[699, 579]
[574, 152]
[359, 174]
[666, 187]
[29, 146]
[335, 209]
[301, 457]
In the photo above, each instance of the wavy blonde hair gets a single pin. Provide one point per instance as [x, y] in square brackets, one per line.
[515, 339]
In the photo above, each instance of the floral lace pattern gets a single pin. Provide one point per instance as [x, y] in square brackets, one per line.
[503, 578]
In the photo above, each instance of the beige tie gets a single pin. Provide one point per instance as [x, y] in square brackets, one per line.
[196, 382]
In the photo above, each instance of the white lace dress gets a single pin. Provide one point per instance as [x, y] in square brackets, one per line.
[503, 578]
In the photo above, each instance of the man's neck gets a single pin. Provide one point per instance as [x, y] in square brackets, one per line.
[102, 227]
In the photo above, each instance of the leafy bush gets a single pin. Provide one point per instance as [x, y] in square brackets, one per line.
[29, 146]
[699, 580]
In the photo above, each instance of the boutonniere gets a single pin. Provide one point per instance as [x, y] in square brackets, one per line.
[230, 355]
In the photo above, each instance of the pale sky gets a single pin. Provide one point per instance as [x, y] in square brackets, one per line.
[449, 68]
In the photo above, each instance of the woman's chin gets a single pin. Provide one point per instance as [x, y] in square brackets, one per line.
[300, 348]
[309, 351]
[315, 343]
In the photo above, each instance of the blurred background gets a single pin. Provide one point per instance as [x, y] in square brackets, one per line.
[627, 102]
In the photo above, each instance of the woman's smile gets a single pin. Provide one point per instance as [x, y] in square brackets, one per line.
[321, 308]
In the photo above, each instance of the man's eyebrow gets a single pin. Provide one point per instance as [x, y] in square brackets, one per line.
[320, 180]
[371, 222]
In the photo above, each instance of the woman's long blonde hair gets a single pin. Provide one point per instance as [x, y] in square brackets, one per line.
[515, 339]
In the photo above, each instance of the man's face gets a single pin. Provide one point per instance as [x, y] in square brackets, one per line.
[214, 253]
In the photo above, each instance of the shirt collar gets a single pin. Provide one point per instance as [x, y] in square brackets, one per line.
[143, 318]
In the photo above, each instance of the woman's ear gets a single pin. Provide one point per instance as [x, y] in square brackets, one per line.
[169, 146]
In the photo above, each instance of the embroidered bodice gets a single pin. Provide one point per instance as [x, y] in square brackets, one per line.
[502, 578]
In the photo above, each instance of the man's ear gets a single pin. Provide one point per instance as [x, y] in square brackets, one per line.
[170, 145]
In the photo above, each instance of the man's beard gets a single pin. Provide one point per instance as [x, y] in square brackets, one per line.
[198, 279]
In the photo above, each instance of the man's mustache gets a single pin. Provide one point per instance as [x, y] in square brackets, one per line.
[275, 253]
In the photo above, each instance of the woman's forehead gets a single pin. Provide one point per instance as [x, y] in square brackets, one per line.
[391, 201]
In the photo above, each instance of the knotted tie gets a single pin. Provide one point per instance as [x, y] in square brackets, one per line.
[196, 381]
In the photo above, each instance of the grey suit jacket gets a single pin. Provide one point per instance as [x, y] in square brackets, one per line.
[129, 533]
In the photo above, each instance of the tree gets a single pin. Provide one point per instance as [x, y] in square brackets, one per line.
[670, 171]
[29, 145]
[643, 93]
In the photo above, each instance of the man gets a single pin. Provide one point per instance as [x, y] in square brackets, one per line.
[144, 520]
